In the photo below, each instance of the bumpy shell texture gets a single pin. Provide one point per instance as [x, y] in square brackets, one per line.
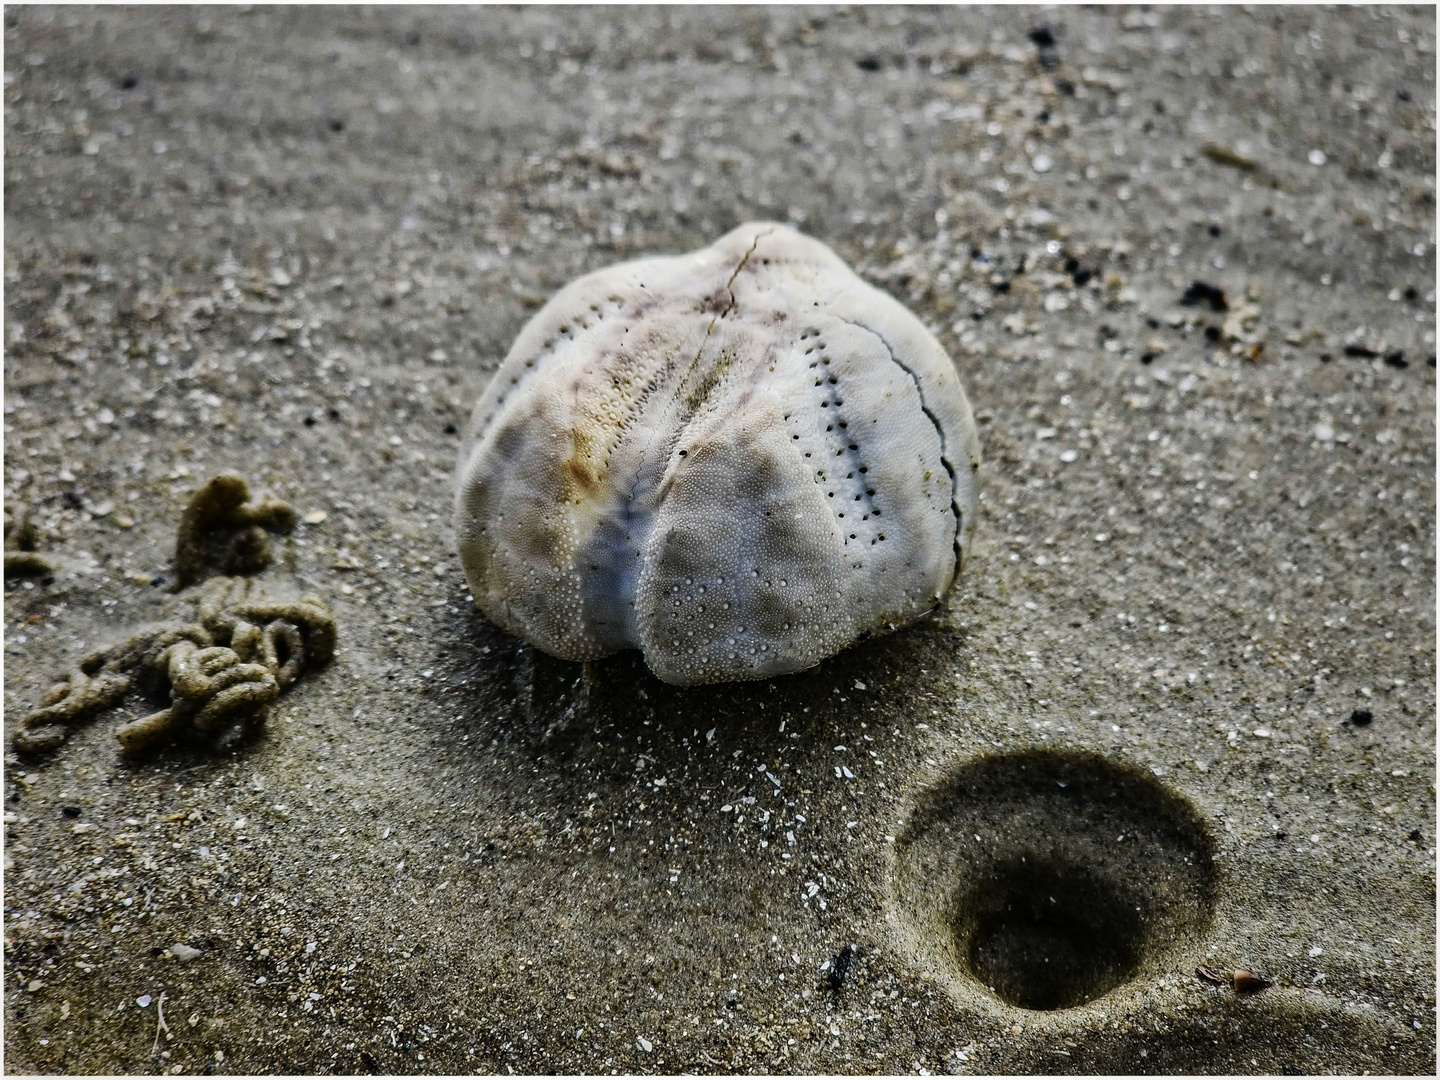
[738, 461]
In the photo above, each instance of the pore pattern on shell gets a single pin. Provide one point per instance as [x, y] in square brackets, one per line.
[738, 461]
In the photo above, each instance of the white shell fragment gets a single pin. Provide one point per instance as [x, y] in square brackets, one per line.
[738, 461]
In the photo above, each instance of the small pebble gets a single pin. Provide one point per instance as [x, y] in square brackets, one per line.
[1042, 37]
[1247, 982]
[840, 965]
[1203, 294]
[1361, 717]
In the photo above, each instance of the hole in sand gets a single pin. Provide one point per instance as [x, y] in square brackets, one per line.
[1047, 879]
[1050, 937]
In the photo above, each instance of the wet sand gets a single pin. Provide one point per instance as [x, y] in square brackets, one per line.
[294, 243]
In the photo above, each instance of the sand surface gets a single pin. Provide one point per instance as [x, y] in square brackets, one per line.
[293, 244]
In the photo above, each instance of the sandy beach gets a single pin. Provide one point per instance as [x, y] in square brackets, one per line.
[1177, 719]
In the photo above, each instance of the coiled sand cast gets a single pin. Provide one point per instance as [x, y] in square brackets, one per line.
[738, 461]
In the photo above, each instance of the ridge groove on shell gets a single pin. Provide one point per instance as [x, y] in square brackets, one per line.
[739, 461]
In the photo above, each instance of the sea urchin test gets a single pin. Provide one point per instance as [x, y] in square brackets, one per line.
[738, 461]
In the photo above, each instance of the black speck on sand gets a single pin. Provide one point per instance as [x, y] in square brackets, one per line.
[293, 243]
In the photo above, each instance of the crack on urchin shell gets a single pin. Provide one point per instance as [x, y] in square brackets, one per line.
[939, 431]
[660, 379]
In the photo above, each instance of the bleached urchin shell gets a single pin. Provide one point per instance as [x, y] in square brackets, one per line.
[738, 461]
